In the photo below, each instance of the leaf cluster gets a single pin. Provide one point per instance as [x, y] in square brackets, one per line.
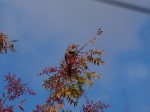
[91, 106]
[5, 44]
[68, 81]
[14, 89]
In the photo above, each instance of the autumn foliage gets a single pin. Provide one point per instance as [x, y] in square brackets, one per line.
[91, 106]
[14, 88]
[68, 82]
[5, 44]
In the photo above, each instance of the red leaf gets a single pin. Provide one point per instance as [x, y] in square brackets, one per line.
[22, 101]
[20, 107]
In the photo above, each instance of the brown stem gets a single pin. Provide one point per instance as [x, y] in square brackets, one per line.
[87, 43]
[4, 101]
[82, 47]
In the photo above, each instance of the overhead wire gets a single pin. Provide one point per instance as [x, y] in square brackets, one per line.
[126, 6]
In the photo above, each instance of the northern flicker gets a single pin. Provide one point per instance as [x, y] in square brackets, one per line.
[70, 56]
[70, 52]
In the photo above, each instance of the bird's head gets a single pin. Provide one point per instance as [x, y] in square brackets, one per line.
[72, 46]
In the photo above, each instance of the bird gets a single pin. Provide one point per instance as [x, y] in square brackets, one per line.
[70, 53]
[70, 58]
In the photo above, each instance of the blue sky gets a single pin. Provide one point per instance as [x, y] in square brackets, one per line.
[45, 28]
